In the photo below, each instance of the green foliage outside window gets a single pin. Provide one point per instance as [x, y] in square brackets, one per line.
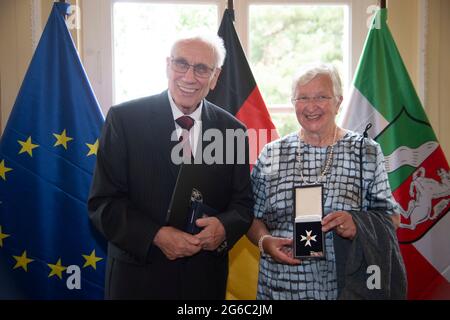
[285, 37]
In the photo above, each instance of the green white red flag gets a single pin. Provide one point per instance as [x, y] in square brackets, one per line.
[383, 94]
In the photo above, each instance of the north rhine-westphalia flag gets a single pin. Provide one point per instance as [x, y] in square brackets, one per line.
[383, 94]
[237, 92]
[48, 249]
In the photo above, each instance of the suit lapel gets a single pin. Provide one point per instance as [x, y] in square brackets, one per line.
[209, 121]
[163, 127]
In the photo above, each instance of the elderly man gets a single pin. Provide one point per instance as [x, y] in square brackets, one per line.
[136, 174]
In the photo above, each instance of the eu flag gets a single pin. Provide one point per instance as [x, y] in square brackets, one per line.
[48, 249]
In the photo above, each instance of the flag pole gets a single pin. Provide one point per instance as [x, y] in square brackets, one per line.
[63, 1]
[382, 4]
[230, 4]
[231, 8]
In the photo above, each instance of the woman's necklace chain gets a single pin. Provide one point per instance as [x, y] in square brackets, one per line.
[329, 160]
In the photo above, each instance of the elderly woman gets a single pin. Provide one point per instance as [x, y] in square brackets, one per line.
[320, 153]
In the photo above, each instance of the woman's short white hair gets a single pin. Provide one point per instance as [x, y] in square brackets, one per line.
[310, 71]
[210, 39]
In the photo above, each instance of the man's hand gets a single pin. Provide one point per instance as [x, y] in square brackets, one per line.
[175, 243]
[213, 233]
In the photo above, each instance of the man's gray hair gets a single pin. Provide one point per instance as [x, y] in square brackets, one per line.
[210, 39]
[310, 71]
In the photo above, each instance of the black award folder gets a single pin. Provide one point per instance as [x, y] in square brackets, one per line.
[198, 210]
[309, 240]
[187, 203]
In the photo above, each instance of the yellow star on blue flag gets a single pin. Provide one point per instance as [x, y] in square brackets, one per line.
[91, 260]
[62, 139]
[92, 148]
[27, 146]
[22, 261]
[3, 170]
[56, 269]
[2, 236]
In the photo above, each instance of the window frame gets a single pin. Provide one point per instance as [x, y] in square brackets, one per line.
[97, 36]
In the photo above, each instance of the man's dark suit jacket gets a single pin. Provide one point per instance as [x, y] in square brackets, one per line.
[132, 186]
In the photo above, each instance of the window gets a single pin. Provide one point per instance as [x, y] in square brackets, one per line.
[143, 33]
[284, 37]
[125, 43]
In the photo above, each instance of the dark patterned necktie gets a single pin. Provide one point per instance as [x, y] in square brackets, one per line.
[186, 123]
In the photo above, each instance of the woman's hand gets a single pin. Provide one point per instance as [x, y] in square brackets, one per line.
[280, 249]
[342, 222]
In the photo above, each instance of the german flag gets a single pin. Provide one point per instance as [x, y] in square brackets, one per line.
[236, 91]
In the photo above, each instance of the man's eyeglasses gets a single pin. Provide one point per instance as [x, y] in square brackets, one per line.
[305, 100]
[182, 66]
